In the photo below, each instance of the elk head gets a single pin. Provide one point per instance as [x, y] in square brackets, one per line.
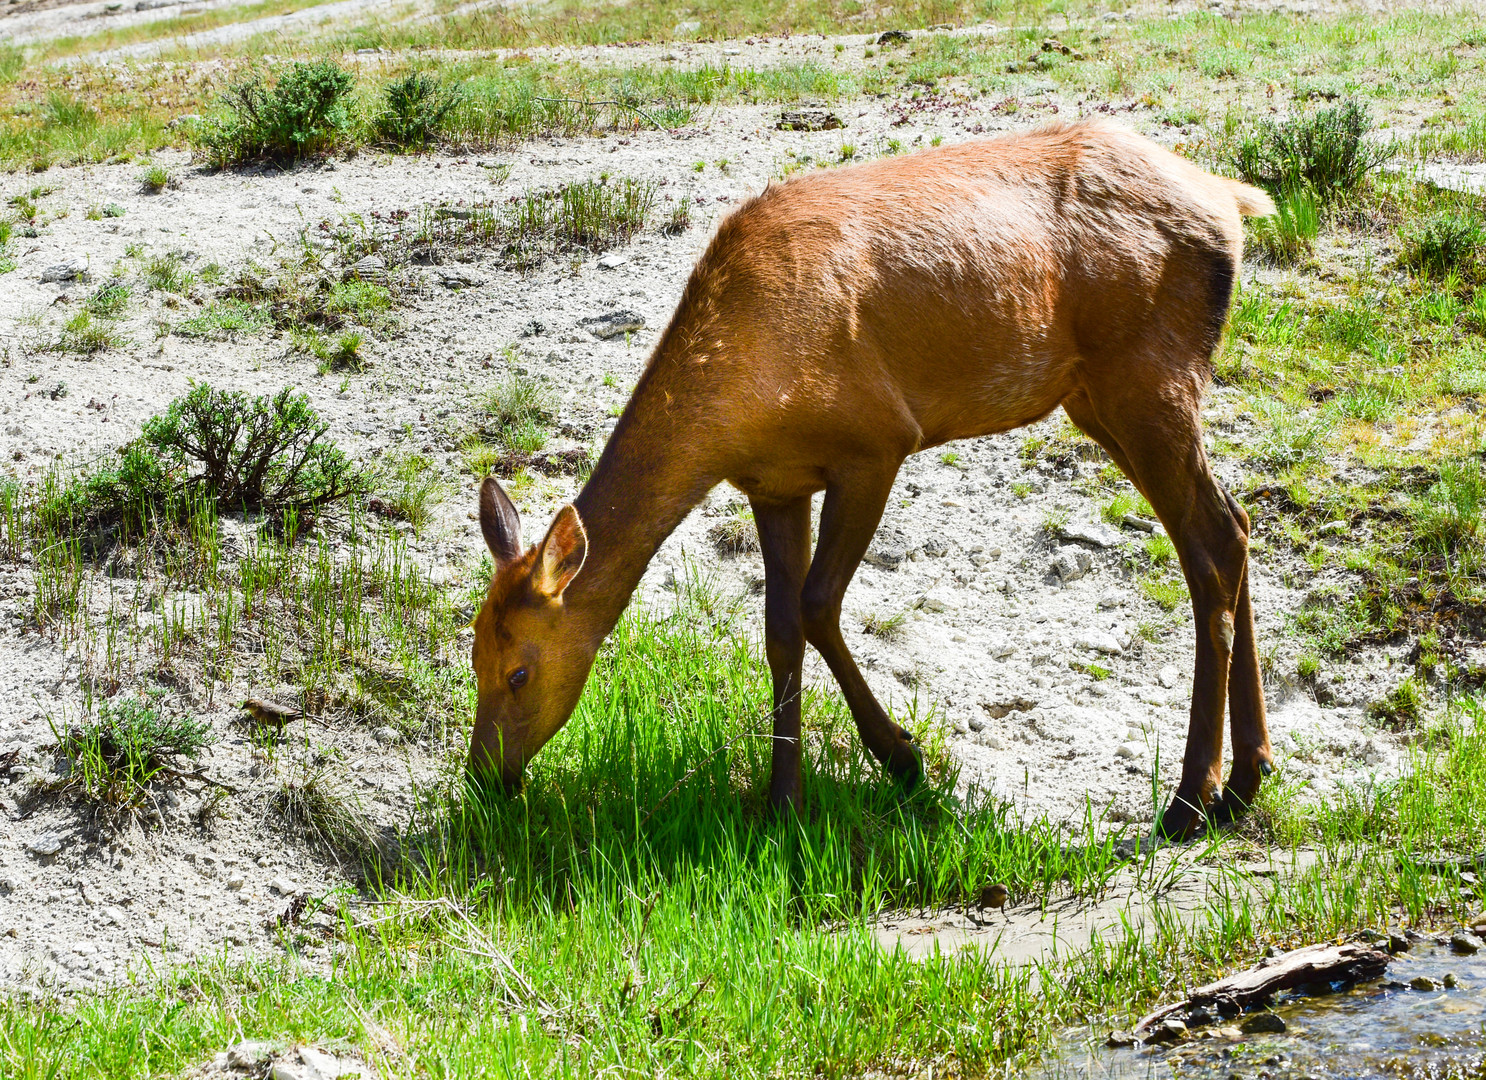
[530, 660]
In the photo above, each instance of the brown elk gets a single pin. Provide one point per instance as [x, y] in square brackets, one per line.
[838, 323]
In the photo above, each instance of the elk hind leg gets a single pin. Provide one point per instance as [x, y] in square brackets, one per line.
[1157, 442]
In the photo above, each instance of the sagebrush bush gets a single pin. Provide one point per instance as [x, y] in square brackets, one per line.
[214, 450]
[1446, 243]
[1326, 152]
[304, 113]
[266, 454]
[414, 108]
[130, 743]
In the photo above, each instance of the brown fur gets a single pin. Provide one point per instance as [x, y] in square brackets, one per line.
[842, 321]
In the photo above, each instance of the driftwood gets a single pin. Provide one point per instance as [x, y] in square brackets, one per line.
[1353, 962]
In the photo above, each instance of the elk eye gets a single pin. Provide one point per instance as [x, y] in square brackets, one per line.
[518, 678]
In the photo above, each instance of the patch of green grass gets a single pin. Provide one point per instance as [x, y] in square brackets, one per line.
[1445, 244]
[223, 319]
[109, 300]
[414, 109]
[1288, 236]
[1168, 593]
[410, 488]
[518, 409]
[155, 178]
[168, 273]
[85, 335]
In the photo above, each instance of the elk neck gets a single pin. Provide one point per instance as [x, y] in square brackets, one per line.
[659, 464]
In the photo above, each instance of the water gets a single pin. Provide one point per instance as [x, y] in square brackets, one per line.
[1381, 1029]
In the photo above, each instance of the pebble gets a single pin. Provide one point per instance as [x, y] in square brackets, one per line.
[1425, 983]
[612, 261]
[613, 323]
[1451, 982]
[1101, 643]
[247, 1054]
[114, 915]
[1166, 1031]
[319, 1064]
[45, 845]
[1169, 676]
[1129, 750]
[1135, 521]
[939, 598]
[282, 1070]
[1120, 1038]
[1094, 536]
[1397, 943]
[387, 735]
[1465, 943]
[1069, 564]
[1332, 528]
[71, 270]
[283, 886]
[235, 882]
[1264, 1023]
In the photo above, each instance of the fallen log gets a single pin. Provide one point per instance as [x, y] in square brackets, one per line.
[1352, 963]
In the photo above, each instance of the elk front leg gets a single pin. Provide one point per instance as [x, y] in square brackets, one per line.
[784, 538]
[853, 507]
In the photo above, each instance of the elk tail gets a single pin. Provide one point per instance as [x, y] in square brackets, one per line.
[1251, 201]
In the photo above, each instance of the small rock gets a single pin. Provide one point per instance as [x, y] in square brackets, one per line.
[939, 599]
[1166, 1031]
[1264, 1023]
[686, 27]
[612, 262]
[1477, 923]
[1230, 1032]
[894, 37]
[321, 1066]
[387, 735]
[1069, 564]
[45, 845]
[1120, 1038]
[1425, 983]
[283, 886]
[613, 323]
[114, 915]
[1199, 1017]
[282, 1070]
[1464, 943]
[373, 268]
[1451, 982]
[235, 883]
[1094, 536]
[247, 1055]
[1135, 521]
[1333, 528]
[888, 550]
[1397, 943]
[1129, 750]
[73, 270]
[809, 120]
[1096, 641]
[534, 328]
[936, 547]
[1168, 677]
[457, 279]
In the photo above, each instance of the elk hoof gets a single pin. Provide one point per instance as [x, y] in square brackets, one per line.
[905, 764]
[1180, 821]
[1266, 767]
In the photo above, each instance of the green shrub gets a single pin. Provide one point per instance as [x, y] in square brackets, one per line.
[266, 454]
[130, 744]
[414, 108]
[518, 407]
[12, 59]
[1443, 244]
[108, 300]
[1326, 152]
[83, 335]
[304, 113]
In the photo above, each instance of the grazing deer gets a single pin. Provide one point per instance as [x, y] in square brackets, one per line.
[838, 323]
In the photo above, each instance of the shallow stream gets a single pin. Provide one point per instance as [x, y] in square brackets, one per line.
[1379, 1029]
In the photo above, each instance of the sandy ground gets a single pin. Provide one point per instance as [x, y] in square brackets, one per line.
[991, 629]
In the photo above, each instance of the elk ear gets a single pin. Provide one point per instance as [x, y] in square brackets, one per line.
[500, 523]
[563, 550]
